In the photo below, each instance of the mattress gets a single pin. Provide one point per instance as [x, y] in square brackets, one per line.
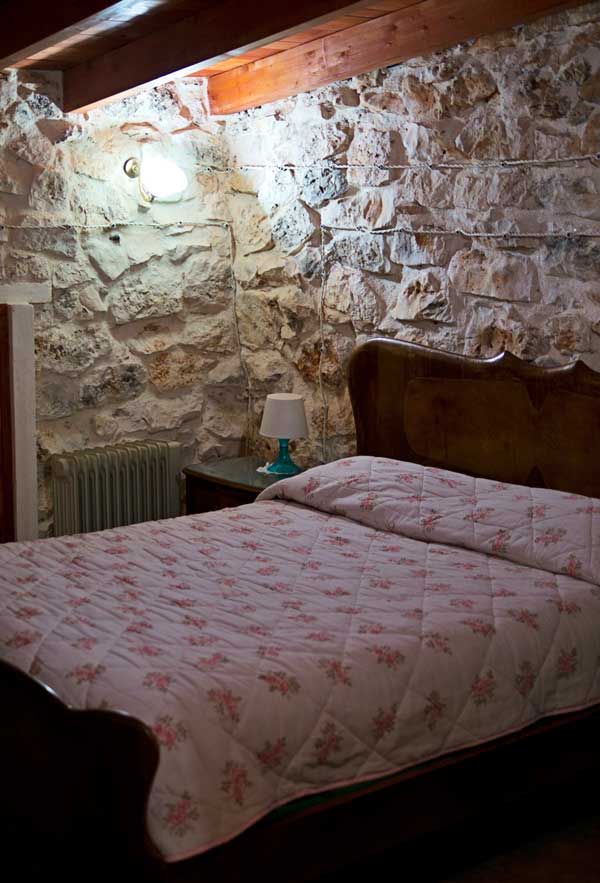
[358, 619]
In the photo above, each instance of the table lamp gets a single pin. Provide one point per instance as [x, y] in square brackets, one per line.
[284, 418]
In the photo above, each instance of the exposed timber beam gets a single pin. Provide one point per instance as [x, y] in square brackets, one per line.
[221, 30]
[28, 26]
[419, 29]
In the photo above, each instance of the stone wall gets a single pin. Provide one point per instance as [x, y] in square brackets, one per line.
[139, 338]
[452, 201]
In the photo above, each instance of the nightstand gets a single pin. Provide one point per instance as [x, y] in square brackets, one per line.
[223, 483]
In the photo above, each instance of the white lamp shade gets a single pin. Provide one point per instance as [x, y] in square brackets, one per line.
[284, 416]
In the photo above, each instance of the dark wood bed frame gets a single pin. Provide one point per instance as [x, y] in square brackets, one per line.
[74, 784]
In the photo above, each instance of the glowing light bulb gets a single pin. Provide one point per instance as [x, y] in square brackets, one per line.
[162, 178]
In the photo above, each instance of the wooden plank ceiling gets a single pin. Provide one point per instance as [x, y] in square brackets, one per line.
[252, 52]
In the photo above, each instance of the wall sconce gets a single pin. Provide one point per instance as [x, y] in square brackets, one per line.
[158, 178]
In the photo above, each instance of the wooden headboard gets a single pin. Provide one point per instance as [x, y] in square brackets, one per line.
[500, 418]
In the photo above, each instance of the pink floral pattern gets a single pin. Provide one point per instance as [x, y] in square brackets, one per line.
[573, 566]
[387, 656]
[434, 709]
[236, 782]
[551, 536]
[272, 669]
[180, 816]
[169, 732]
[27, 612]
[272, 755]
[571, 608]
[527, 617]
[225, 704]
[336, 671]
[329, 742]
[86, 673]
[525, 678]
[436, 641]
[480, 627]
[483, 688]
[479, 514]
[500, 542]
[280, 682]
[23, 639]
[567, 663]
[155, 680]
[462, 603]
[383, 722]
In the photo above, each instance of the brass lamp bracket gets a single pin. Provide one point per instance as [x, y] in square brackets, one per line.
[132, 169]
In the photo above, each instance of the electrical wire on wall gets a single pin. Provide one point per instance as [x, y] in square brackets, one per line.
[483, 165]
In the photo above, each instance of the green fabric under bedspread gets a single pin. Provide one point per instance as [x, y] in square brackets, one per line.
[315, 799]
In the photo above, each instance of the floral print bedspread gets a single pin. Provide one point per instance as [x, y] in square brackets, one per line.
[278, 649]
[555, 531]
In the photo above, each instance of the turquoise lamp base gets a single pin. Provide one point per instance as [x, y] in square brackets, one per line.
[283, 465]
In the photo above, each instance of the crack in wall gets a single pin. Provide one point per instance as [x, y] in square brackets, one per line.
[248, 434]
[322, 349]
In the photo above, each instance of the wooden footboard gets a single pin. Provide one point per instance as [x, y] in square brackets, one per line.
[74, 790]
[515, 786]
[75, 787]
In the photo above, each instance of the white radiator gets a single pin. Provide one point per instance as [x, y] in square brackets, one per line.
[115, 485]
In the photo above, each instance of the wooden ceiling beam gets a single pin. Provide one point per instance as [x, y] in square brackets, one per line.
[223, 28]
[28, 26]
[423, 27]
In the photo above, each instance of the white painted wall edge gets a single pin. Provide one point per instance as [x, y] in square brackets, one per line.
[23, 418]
[25, 293]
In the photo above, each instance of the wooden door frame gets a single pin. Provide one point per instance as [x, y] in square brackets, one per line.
[18, 449]
[7, 475]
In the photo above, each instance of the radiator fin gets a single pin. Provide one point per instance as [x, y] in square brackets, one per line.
[115, 485]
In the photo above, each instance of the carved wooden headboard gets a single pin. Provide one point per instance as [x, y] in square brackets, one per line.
[501, 418]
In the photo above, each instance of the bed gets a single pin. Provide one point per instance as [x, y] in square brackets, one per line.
[430, 581]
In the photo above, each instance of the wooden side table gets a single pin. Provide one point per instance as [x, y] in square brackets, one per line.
[223, 483]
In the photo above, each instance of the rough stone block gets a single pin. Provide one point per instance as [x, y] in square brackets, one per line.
[363, 251]
[267, 369]
[570, 333]
[422, 249]
[178, 368]
[375, 147]
[15, 175]
[107, 256]
[251, 227]
[258, 322]
[575, 257]
[321, 183]
[498, 275]
[212, 333]
[353, 296]
[115, 383]
[59, 241]
[292, 227]
[137, 298]
[69, 350]
[423, 294]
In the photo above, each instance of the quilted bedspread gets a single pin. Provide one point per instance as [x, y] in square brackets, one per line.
[376, 615]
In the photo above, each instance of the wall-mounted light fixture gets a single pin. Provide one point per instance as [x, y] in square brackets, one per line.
[159, 178]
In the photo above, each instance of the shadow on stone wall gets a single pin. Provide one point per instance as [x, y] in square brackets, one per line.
[452, 201]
